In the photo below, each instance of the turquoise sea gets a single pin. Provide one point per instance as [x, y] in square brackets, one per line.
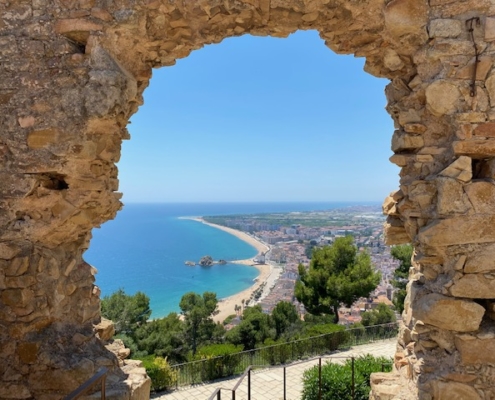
[145, 247]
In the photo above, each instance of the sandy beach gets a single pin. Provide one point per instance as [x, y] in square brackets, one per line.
[226, 306]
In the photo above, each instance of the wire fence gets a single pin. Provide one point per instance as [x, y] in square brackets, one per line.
[213, 368]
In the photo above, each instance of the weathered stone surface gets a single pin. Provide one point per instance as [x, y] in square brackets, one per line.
[490, 87]
[482, 196]
[459, 230]
[404, 141]
[384, 386]
[395, 233]
[445, 28]
[489, 29]
[42, 138]
[405, 17]
[482, 260]
[105, 329]
[476, 286]
[461, 169]
[474, 350]
[451, 198]
[475, 148]
[485, 130]
[448, 313]
[482, 69]
[8, 251]
[454, 391]
[442, 98]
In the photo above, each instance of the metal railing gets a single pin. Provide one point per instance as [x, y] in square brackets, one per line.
[101, 375]
[233, 364]
[217, 394]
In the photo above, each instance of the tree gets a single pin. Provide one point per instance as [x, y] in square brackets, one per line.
[197, 311]
[337, 275]
[402, 253]
[383, 314]
[284, 315]
[127, 312]
[254, 328]
[163, 337]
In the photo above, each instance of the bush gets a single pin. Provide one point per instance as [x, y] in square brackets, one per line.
[162, 375]
[336, 380]
[217, 361]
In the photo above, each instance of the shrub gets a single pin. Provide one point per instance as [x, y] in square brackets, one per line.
[217, 361]
[336, 380]
[162, 375]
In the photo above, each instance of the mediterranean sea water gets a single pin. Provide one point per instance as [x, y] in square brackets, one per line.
[145, 247]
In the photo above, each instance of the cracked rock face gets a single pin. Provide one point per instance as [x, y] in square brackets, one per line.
[74, 71]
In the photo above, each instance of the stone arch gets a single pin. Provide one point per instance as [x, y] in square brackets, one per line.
[73, 72]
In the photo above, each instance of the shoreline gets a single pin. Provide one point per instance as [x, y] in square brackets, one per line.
[226, 305]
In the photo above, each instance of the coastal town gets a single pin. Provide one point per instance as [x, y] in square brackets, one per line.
[289, 238]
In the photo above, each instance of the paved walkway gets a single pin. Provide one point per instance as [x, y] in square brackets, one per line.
[267, 384]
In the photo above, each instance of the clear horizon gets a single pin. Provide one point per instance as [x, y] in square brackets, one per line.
[259, 119]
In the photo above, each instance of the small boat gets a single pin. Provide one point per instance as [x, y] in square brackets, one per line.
[190, 263]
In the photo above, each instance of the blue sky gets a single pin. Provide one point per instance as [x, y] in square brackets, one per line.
[260, 119]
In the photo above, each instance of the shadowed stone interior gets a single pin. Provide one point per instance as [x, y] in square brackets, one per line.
[72, 72]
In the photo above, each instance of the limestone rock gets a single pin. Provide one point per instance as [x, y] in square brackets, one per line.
[442, 98]
[384, 386]
[474, 350]
[489, 29]
[451, 198]
[404, 17]
[105, 329]
[475, 148]
[445, 28]
[486, 130]
[490, 87]
[476, 286]
[482, 196]
[395, 233]
[481, 260]
[448, 313]
[403, 141]
[454, 391]
[460, 169]
[459, 230]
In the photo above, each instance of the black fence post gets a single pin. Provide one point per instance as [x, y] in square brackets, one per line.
[233, 394]
[353, 392]
[285, 386]
[319, 379]
[219, 395]
[249, 384]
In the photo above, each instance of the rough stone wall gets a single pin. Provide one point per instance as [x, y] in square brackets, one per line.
[72, 72]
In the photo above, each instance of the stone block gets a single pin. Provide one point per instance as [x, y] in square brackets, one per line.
[460, 169]
[442, 98]
[486, 130]
[448, 313]
[490, 88]
[451, 198]
[415, 128]
[475, 286]
[482, 69]
[445, 28]
[395, 233]
[105, 329]
[453, 391]
[475, 148]
[459, 230]
[42, 138]
[481, 260]
[8, 251]
[482, 196]
[404, 141]
[475, 351]
[406, 17]
[489, 29]
[384, 386]
[77, 29]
